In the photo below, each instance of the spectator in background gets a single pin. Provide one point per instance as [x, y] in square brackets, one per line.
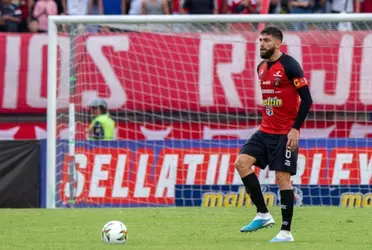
[366, 6]
[320, 6]
[61, 6]
[75, 7]
[340, 6]
[279, 7]
[10, 16]
[197, 7]
[113, 7]
[43, 9]
[345, 6]
[135, 7]
[94, 7]
[154, 7]
[301, 7]
[200, 7]
[23, 5]
[33, 26]
[242, 6]
[222, 6]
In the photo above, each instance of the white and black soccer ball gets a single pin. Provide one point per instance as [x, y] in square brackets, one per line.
[114, 232]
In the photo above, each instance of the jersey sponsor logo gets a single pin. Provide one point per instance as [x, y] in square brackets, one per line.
[266, 82]
[278, 74]
[268, 91]
[233, 199]
[356, 200]
[272, 102]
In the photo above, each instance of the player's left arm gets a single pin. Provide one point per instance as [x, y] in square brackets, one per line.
[296, 75]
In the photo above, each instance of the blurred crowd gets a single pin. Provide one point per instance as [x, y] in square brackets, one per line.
[32, 15]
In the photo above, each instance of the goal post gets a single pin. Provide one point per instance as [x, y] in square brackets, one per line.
[184, 95]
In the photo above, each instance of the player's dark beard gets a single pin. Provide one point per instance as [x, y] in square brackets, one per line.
[266, 54]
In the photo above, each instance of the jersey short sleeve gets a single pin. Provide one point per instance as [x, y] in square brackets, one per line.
[294, 72]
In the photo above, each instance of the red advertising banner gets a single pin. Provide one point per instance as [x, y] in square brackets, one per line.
[200, 72]
[188, 131]
[149, 174]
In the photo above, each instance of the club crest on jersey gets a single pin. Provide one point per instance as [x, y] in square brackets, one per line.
[277, 82]
[269, 111]
[277, 77]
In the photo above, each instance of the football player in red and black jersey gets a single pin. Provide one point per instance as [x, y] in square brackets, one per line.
[286, 101]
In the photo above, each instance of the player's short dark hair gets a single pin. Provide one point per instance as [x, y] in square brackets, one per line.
[273, 31]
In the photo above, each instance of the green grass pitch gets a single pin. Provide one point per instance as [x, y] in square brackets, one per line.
[315, 228]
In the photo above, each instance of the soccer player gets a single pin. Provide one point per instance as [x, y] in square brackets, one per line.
[275, 144]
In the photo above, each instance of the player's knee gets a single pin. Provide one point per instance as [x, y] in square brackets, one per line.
[239, 165]
[244, 162]
[284, 180]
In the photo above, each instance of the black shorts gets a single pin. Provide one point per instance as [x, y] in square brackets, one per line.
[271, 149]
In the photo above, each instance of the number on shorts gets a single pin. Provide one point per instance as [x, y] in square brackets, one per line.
[288, 154]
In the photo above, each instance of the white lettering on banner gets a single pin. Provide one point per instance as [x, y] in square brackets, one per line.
[339, 173]
[155, 134]
[118, 189]
[301, 166]
[224, 167]
[317, 132]
[167, 173]
[168, 176]
[294, 46]
[315, 169]
[266, 177]
[343, 82]
[365, 169]
[99, 175]
[365, 91]
[40, 133]
[360, 130]
[257, 86]
[8, 134]
[140, 190]
[212, 169]
[35, 69]
[243, 133]
[237, 179]
[94, 44]
[64, 77]
[192, 161]
[224, 70]
[11, 74]
[81, 161]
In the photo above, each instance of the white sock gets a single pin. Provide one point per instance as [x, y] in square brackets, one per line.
[264, 215]
[285, 232]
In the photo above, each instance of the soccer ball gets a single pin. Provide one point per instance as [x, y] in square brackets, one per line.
[114, 232]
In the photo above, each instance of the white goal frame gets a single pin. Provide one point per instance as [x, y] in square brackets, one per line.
[161, 19]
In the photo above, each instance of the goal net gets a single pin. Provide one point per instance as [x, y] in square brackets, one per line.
[184, 95]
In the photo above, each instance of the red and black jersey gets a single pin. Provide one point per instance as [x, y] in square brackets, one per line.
[279, 83]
